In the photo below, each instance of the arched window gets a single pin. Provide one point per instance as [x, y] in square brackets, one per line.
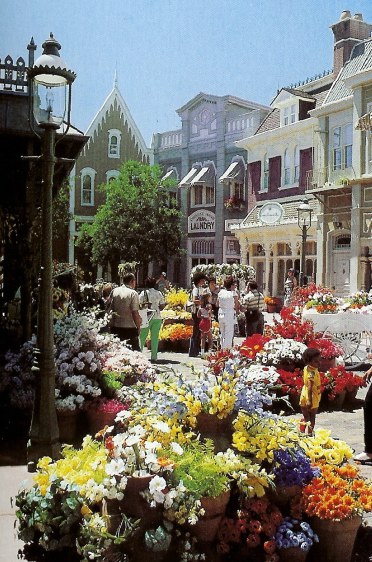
[114, 143]
[111, 175]
[87, 176]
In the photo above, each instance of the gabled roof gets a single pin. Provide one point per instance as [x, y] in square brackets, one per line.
[196, 100]
[360, 60]
[116, 100]
[294, 92]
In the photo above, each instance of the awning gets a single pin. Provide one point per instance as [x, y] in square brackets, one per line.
[231, 172]
[187, 179]
[365, 122]
[206, 175]
[168, 174]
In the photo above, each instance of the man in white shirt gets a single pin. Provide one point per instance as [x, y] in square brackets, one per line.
[124, 304]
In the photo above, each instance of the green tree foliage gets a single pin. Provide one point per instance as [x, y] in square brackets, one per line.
[139, 221]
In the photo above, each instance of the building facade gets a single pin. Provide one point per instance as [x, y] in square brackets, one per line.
[211, 174]
[308, 147]
[114, 138]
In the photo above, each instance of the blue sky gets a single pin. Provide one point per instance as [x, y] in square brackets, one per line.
[167, 51]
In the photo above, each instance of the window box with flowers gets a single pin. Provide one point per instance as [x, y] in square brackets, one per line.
[234, 203]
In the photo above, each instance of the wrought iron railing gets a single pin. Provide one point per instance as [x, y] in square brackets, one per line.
[13, 77]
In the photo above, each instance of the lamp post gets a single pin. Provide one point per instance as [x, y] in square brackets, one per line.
[304, 213]
[50, 95]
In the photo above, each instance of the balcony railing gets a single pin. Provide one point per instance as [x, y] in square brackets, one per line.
[323, 178]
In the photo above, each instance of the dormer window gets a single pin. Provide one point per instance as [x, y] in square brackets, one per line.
[114, 143]
[289, 114]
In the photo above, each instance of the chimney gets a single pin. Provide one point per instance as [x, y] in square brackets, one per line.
[348, 32]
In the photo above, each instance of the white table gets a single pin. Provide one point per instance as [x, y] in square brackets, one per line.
[351, 330]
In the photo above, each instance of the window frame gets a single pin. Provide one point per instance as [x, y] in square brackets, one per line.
[265, 173]
[114, 133]
[91, 173]
[342, 153]
[207, 195]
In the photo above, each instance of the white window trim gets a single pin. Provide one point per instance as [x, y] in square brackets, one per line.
[112, 174]
[204, 196]
[114, 133]
[265, 174]
[92, 174]
[341, 147]
[289, 113]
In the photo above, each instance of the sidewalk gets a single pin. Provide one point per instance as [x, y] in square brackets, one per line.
[346, 425]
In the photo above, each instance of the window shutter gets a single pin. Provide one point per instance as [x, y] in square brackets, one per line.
[275, 172]
[306, 164]
[254, 176]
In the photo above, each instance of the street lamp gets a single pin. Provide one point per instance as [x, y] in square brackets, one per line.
[50, 101]
[304, 213]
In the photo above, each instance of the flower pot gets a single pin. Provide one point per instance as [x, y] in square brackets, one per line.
[336, 538]
[136, 506]
[338, 401]
[98, 420]
[293, 554]
[351, 395]
[67, 423]
[219, 430]
[271, 308]
[206, 527]
[282, 495]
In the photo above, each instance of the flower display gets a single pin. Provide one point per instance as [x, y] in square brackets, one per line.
[338, 380]
[292, 467]
[175, 332]
[293, 533]
[107, 405]
[241, 272]
[176, 298]
[338, 493]
[280, 351]
[291, 326]
[323, 303]
[175, 314]
[321, 447]
[253, 345]
[268, 299]
[358, 300]
[234, 203]
[291, 383]
[328, 349]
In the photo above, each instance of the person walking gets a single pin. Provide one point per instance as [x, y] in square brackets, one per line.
[228, 304]
[310, 393]
[199, 281]
[205, 323]
[253, 300]
[154, 300]
[162, 283]
[366, 456]
[289, 284]
[124, 305]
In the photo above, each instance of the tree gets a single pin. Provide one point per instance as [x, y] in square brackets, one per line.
[139, 221]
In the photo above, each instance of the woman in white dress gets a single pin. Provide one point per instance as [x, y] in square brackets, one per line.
[228, 304]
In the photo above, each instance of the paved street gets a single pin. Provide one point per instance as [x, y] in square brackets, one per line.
[346, 425]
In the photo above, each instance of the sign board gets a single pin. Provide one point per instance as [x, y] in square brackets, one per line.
[202, 221]
[270, 213]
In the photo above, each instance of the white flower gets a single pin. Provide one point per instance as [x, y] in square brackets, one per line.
[115, 466]
[176, 448]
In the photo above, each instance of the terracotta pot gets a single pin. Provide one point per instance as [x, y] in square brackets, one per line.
[282, 495]
[136, 506]
[271, 308]
[98, 420]
[206, 527]
[336, 538]
[220, 431]
[338, 401]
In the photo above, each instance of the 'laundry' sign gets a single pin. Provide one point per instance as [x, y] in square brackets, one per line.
[202, 221]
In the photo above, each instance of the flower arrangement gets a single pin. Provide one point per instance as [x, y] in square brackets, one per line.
[176, 298]
[275, 301]
[241, 272]
[328, 349]
[358, 300]
[217, 360]
[253, 345]
[293, 533]
[323, 303]
[175, 314]
[301, 295]
[321, 447]
[291, 383]
[281, 351]
[338, 380]
[292, 467]
[175, 332]
[291, 326]
[338, 493]
[106, 405]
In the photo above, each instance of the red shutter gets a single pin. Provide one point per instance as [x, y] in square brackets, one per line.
[306, 164]
[275, 172]
[254, 177]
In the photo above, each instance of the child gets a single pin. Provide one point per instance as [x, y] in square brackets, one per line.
[310, 393]
[205, 324]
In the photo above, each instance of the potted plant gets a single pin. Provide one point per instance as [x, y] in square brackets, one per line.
[293, 539]
[102, 412]
[273, 304]
[329, 351]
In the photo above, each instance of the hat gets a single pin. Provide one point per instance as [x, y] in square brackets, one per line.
[163, 273]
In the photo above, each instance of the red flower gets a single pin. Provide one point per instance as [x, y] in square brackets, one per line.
[253, 540]
[252, 345]
[269, 546]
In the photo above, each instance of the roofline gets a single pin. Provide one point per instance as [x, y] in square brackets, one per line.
[281, 132]
[226, 98]
[332, 107]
